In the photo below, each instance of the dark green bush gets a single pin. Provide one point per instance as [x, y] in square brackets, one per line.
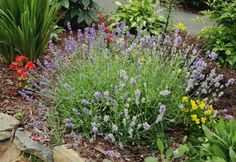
[79, 12]
[221, 38]
[195, 4]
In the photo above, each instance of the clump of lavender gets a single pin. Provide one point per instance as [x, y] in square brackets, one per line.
[116, 92]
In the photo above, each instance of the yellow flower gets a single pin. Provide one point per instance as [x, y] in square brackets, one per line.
[185, 99]
[203, 120]
[181, 26]
[209, 112]
[194, 117]
[142, 59]
[197, 121]
[194, 105]
[202, 105]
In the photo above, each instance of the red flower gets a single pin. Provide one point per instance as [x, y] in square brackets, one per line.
[11, 66]
[23, 75]
[106, 30]
[16, 74]
[29, 66]
[21, 58]
[109, 39]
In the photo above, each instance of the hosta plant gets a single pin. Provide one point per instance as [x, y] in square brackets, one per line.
[140, 14]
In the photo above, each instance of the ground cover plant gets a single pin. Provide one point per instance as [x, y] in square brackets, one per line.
[26, 26]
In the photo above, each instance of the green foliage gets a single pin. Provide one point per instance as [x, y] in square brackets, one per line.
[140, 14]
[221, 38]
[26, 26]
[80, 11]
[169, 155]
[220, 143]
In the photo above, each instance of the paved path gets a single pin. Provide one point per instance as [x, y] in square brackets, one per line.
[194, 28]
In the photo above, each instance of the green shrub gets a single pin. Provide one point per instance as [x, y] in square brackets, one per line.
[79, 12]
[221, 38]
[26, 26]
[140, 14]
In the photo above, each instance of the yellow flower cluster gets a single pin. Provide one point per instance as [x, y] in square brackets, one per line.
[181, 26]
[199, 110]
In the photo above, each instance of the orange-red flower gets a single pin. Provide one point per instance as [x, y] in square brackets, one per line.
[30, 66]
[21, 58]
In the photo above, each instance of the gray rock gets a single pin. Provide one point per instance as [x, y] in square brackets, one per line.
[62, 154]
[26, 144]
[7, 122]
[5, 136]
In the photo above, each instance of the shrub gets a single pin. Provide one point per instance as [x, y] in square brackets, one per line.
[25, 27]
[127, 89]
[80, 12]
[221, 38]
[140, 14]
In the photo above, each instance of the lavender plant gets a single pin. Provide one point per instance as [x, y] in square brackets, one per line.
[127, 89]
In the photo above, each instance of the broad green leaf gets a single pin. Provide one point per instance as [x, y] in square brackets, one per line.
[118, 3]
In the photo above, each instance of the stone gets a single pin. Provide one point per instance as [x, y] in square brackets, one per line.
[9, 152]
[61, 153]
[26, 144]
[5, 136]
[7, 122]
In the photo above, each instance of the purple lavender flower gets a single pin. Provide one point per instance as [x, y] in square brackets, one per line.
[212, 55]
[162, 109]
[146, 126]
[97, 95]
[111, 153]
[176, 153]
[228, 117]
[38, 125]
[68, 123]
[230, 82]
[95, 129]
[137, 96]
